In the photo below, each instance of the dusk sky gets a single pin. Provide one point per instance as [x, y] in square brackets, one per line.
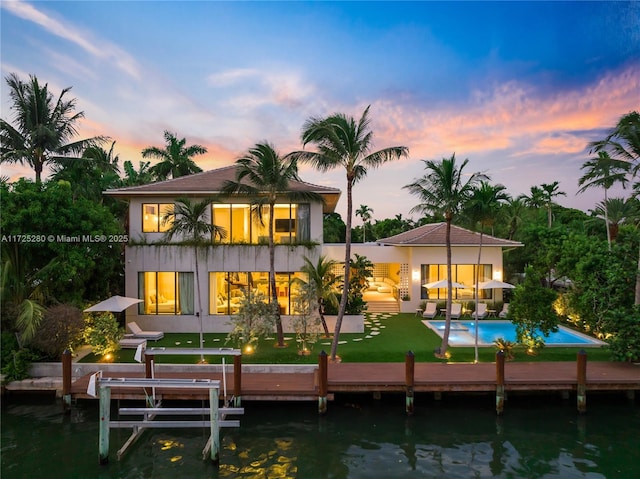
[518, 88]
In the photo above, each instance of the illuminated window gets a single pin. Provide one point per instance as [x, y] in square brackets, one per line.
[166, 292]
[154, 217]
[227, 290]
[291, 223]
[460, 273]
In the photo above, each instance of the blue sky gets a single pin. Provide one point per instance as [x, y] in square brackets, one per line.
[518, 88]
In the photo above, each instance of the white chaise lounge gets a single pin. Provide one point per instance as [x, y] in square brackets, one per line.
[139, 333]
[430, 310]
[482, 311]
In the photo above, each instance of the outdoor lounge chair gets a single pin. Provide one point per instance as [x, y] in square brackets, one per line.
[482, 312]
[505, 311]
[139, 333]
[131, 343]
[456, 310]
[430, 310]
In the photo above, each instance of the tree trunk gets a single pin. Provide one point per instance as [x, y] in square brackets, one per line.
[272, 279]
[347, 271]
[478, 295]
[447, 322]
[322, 320]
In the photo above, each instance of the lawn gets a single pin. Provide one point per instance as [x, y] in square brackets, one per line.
[387, 338]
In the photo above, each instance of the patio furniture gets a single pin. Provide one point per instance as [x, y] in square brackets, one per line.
[129, 342]
[456, 311]
[430, 310]
[482, 311]
[505, 311]
[140, 333]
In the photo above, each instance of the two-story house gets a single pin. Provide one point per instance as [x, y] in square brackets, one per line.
[162, 273]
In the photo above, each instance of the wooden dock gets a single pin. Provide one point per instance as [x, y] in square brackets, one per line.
[392, 377]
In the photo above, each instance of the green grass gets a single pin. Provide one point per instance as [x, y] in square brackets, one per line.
[397, 334]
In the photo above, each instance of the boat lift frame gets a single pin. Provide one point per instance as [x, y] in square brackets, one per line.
[216, 414]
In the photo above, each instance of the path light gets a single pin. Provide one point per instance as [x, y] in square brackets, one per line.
[248, 349]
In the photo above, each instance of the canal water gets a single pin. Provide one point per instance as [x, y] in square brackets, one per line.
[456, 437]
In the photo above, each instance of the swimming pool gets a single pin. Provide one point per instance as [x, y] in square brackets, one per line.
[462, 333]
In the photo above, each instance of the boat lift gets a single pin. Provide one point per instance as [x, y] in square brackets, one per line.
[217, 415]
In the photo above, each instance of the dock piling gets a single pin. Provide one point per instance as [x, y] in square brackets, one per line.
[582, 381]
[500, 382]
[237, 381]
[105, 418]
[409, 362]
[66, 380]
[322, 382]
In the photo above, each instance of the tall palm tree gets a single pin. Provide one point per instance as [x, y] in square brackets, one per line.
[264, 176]
[175, 158]
[191, 223]
[444, 189]
[482, 208]
[550, 191]
[42, 129]
[603, 172]
[364, 212]
[344, 142]
[325, 280]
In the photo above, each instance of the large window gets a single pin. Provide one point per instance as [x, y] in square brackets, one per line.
[166, 292]
[460, 273]
[153, 215]
[228, 289]
[291, 223]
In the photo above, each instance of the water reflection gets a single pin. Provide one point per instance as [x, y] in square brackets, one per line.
[448, 439]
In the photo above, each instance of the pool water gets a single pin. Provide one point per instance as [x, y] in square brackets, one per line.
[462, 333]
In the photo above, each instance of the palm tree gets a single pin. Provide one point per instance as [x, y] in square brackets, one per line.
[42, 127]
[175, 157]
[343, 142]
[623, 143]
[604, 171]
[512, 213]
[264, 176]
[482, 208]
[325, 280]
[550, 191]
[535, 198]
[444, 189]
[92, 174]
[23, 290]
[141, 176]
[616, 211]
[364, 212]
[190, 221]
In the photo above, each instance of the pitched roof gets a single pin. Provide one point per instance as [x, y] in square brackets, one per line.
[211, 183]
[434, 234]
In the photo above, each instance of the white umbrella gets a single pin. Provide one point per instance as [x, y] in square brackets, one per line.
[495, 284]
[443, 283]
[115, 304]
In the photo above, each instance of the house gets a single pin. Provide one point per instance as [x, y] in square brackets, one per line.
[405, 262]
[163, 274]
